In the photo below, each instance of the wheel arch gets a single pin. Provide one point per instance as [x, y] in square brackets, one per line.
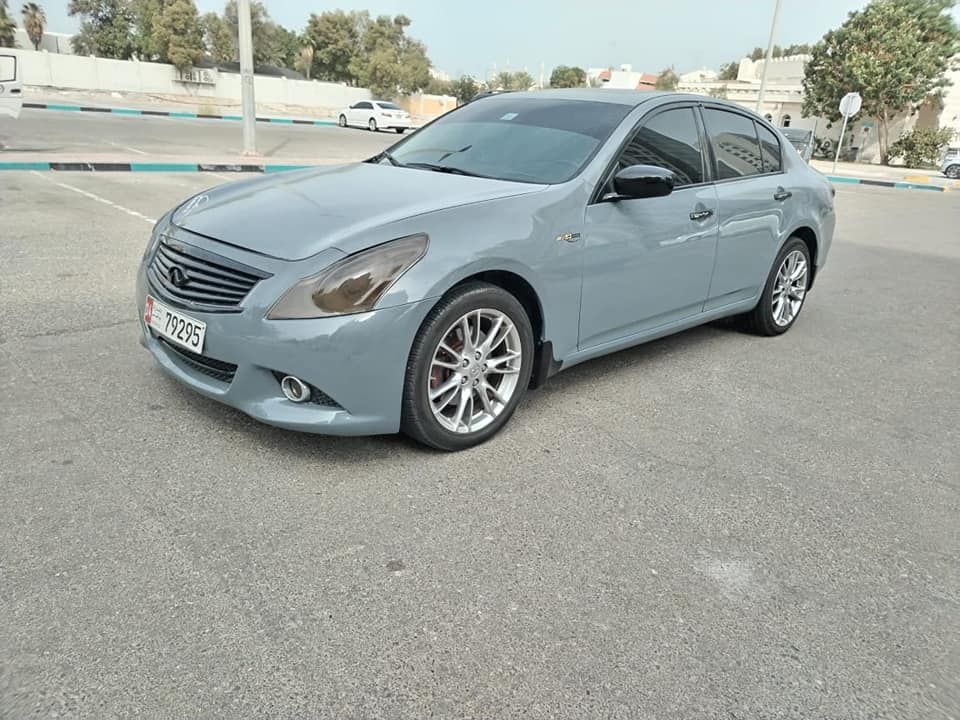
[809, 237]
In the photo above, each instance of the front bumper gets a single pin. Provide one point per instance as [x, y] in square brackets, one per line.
[359, 361]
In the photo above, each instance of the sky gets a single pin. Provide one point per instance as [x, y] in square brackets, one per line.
[474, 37]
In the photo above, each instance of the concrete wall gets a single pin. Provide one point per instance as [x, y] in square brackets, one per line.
[77, 72]
[428, 105]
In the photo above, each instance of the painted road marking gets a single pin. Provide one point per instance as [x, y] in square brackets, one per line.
[97, 198]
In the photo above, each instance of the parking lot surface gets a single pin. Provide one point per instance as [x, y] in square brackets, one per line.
[713, 525]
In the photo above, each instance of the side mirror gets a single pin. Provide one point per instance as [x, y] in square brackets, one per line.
[643, 181]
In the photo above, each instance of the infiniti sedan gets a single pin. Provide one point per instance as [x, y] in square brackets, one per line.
[426, 289]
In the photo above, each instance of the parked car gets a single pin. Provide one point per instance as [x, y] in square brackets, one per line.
[801, 139]
[427, 288]
[11, 98]
[375, 114]
[951, 163]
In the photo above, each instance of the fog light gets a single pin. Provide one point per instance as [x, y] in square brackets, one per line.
[294, 389]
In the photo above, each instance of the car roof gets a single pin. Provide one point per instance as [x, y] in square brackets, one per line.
[605, 95]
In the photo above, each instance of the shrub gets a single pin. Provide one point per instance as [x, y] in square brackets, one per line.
[921, 146]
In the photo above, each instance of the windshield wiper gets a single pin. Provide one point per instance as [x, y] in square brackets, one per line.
[385, 155]
[449, 169]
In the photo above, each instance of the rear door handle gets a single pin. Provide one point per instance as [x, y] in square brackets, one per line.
[700, 214]
[782, 194]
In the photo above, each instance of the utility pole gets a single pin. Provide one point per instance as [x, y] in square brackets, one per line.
[766, 63]
[248, 102]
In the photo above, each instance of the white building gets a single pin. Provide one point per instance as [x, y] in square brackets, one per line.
[623, 79]
[783, 104]
[51, 42]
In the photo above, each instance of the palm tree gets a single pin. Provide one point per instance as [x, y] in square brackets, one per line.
[34, 21]
[7, 27]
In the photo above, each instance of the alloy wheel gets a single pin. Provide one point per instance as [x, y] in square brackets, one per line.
[790, 288]
[474, 371]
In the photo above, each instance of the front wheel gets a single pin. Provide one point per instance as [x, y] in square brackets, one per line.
[343, 121]
[468, 369]
[372, 124]
[952, 172]
[785, 291]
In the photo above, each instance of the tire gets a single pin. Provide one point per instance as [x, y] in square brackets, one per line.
[343, 121]
[765, 318]
[482, 304]
[952, 172]
[399, 130]
[372, 125]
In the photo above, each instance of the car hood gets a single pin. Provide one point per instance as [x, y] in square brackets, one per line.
[297, 214]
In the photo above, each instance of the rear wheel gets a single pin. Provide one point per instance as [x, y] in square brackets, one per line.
[372, 124]
[785, 291]
[343, 121]
[952, 172]
[469, 367]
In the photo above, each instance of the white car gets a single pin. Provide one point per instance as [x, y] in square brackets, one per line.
[374, 115]
[10, 87]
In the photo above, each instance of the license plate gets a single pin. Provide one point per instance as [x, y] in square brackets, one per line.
[174, 326]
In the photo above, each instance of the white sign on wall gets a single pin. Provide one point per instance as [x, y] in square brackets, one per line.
[196, 76]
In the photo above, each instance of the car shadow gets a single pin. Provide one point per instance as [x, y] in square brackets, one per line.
[331, 448]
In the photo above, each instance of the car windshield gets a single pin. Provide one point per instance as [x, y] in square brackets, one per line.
[388, 106]
[521, 139]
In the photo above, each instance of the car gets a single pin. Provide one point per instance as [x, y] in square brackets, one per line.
[426, 289]
[11, 86]
[801, 139]
[374, 115]
[950, 166]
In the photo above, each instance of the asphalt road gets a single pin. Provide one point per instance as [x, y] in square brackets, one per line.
[71, 133]
[710, 526]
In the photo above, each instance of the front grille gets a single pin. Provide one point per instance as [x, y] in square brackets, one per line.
[199, 279]
[217, 369]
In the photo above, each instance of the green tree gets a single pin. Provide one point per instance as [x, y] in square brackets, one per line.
[437, 86]
[7, 27]
[520, 80]
[464, 89]
[719, 92]
[34, 22]
[921, 146]
[106, 28]
[798, 49]
[285, 47]
[262, 29]
[388, 62]
[146, 14]
[335, 36]
[568, 77]
[220, 44]
[177, 34]
[893, 52]
[729, 71]
[667, 79]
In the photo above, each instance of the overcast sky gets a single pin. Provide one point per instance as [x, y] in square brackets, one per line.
[470, 37]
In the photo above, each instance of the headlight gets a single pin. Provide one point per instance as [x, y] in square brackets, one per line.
[155, 235]
[351, 285]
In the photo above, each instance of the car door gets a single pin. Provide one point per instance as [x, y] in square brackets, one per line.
[11, 99]
[647, 262]
[362, 113]
[754, 200]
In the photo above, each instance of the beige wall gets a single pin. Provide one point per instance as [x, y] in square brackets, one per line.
[428, 106]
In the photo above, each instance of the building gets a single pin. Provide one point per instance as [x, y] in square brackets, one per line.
[783, 104]
[51, 42]
[623, 79]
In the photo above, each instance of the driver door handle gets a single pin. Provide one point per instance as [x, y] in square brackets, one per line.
[701, 214]
[782, 194]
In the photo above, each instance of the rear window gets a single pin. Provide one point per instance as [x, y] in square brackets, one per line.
[389, 106]
[769, 150]
[735, 144]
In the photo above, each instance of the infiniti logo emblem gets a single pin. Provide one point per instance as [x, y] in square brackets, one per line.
[177, 276]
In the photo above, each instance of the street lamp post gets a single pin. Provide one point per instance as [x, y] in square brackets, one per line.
[247, 100]
[769, 56]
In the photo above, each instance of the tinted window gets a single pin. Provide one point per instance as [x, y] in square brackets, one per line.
[734, 143]
[388, 106]
[769, 150]
[363, 106]
[525, 139]
[669, 140]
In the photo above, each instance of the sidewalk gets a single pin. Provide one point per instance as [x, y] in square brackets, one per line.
[881, 172]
